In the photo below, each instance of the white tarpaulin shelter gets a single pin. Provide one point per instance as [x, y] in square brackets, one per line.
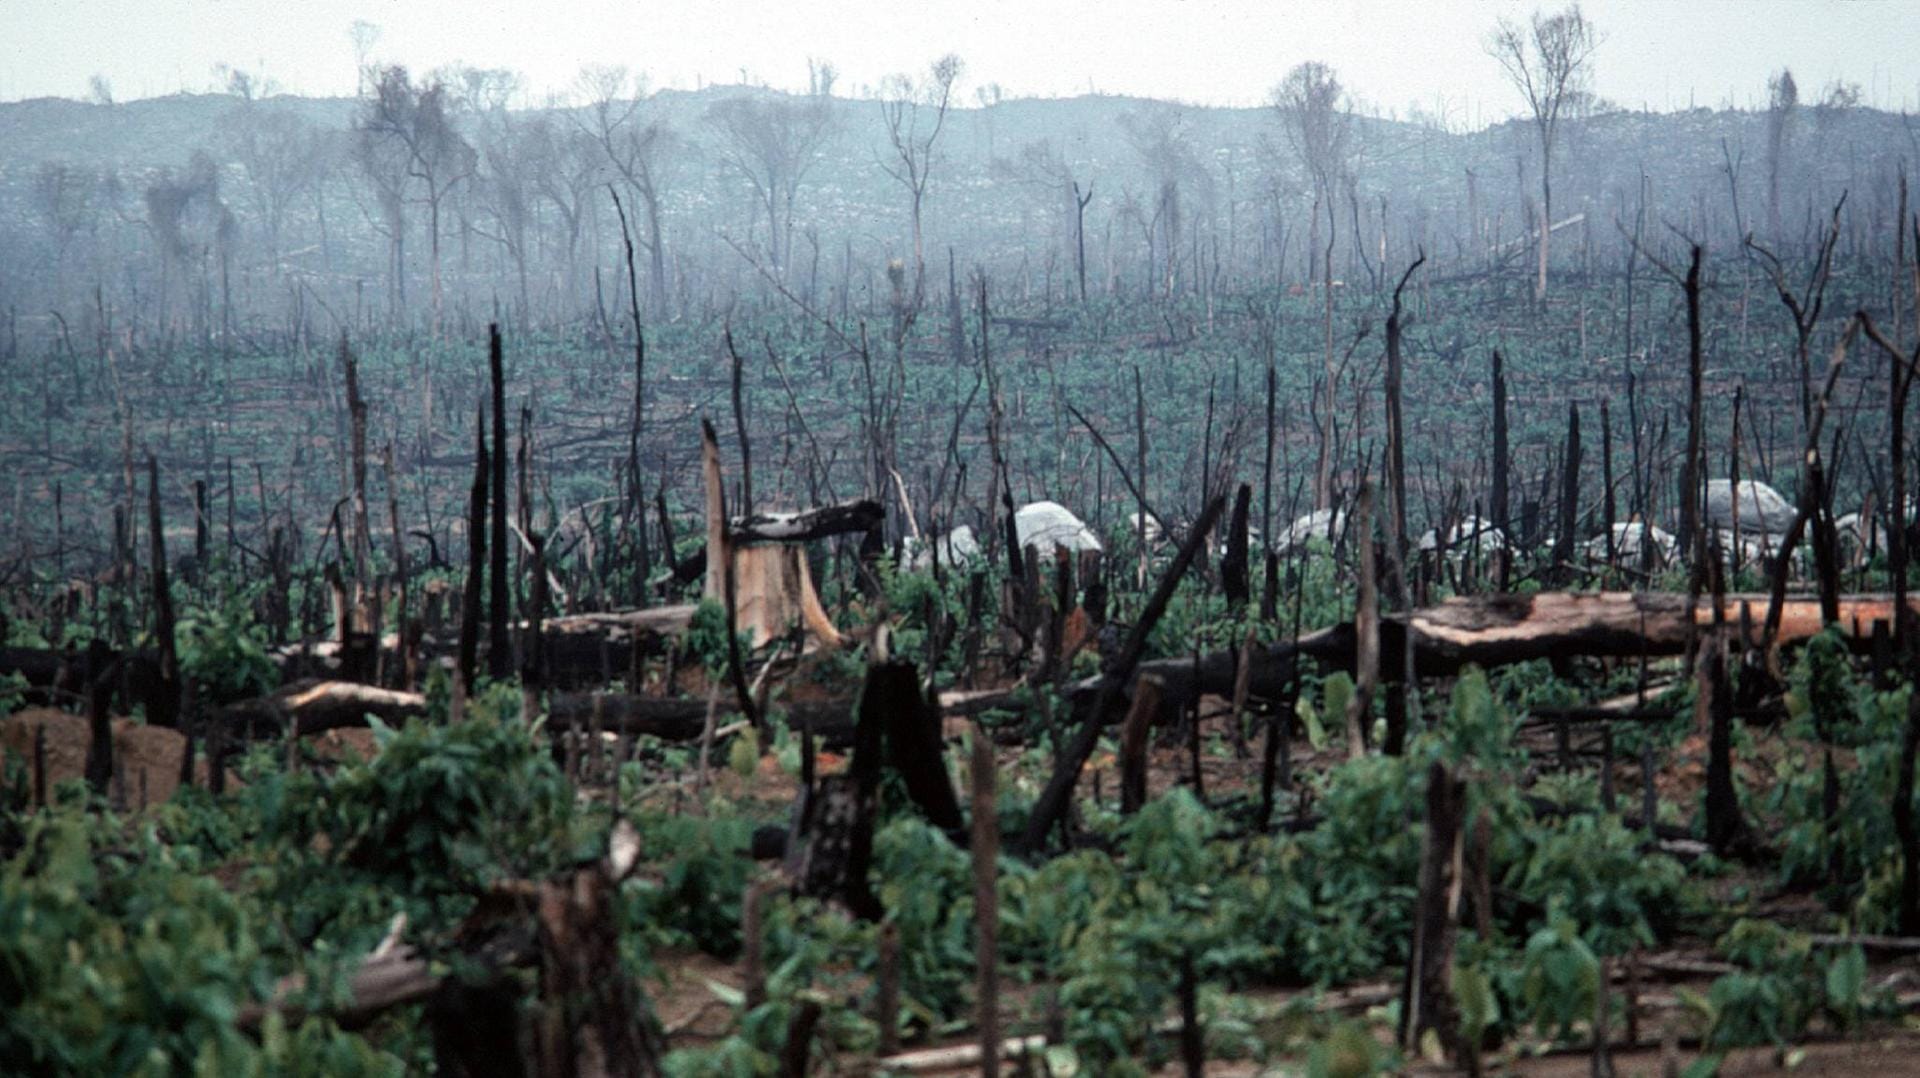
[1048, 525]
[956, 546]
[1762, 509]
[1629, 542]
[1319, 524]
[1471, 530]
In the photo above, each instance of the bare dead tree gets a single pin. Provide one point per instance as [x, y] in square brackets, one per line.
[1317, 120]
[1405, 707]
[915, 112]
[1159, 135]
[773, 142]
[1805, 307]
[405, 128]
[641, 152]
[1549, 61]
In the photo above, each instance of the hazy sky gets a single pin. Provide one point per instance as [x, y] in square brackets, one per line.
[1659, 53]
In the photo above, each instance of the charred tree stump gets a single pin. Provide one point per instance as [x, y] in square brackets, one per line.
[832, 841]
[986, 901]
[1502, 519]
[913, 745]
[1427, 1003]
[100, 668]
[594, 1021]
[1133, 744]
[798, 1048]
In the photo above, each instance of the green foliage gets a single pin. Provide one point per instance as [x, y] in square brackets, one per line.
[702, 866]
[1782, 984]
[1350, 1051]
[116, 958]
[925, 883]
[706, 637]
[916, 600]
[224, 651]
[435, 816]
[1336, 693]
[1592, 869]
[13, 692]
[1559, 977]
[813, 954]
[1859, 860]
[1477, 732]
[1770, 999]
[1474, 995]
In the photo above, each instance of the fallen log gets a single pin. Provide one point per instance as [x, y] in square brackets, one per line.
[849, 518]
[582, 649]
[682, 719]
[312, 707]
[1498, 630]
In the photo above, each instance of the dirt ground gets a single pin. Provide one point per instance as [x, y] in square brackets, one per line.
[1892, 1053]
[147, 758]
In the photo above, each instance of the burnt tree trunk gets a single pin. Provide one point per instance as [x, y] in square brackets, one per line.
[1502, 519]
[470, 602]
[499, 643]
[1427, 1002]
[166, 703]
[1234, 577]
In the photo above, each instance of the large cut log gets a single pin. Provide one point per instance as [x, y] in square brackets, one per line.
[676, 719]
[582, 649]
[311, 707]
[1498, 630]
[849, 518]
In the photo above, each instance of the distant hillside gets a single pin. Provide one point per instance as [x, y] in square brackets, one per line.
[1240, 203]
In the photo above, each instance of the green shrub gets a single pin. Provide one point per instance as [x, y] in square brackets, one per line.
[115, 958]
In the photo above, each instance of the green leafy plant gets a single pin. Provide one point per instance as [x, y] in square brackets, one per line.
[115, 958]
[225, 651]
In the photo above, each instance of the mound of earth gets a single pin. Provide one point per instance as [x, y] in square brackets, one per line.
[148, 757]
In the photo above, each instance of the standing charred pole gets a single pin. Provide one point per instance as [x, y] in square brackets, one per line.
[1813, 513]
[639, 502]
[470, 602]
[499, 643]
[165, 708]
[1502, 520]
[1234, 578]
[1563, 546]
[1402, 707]
[1691, 479]
[1051, 806]
[1609, 506]
[986, 900]
[1366, 626]
[1080, 200]
[1269, 591]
